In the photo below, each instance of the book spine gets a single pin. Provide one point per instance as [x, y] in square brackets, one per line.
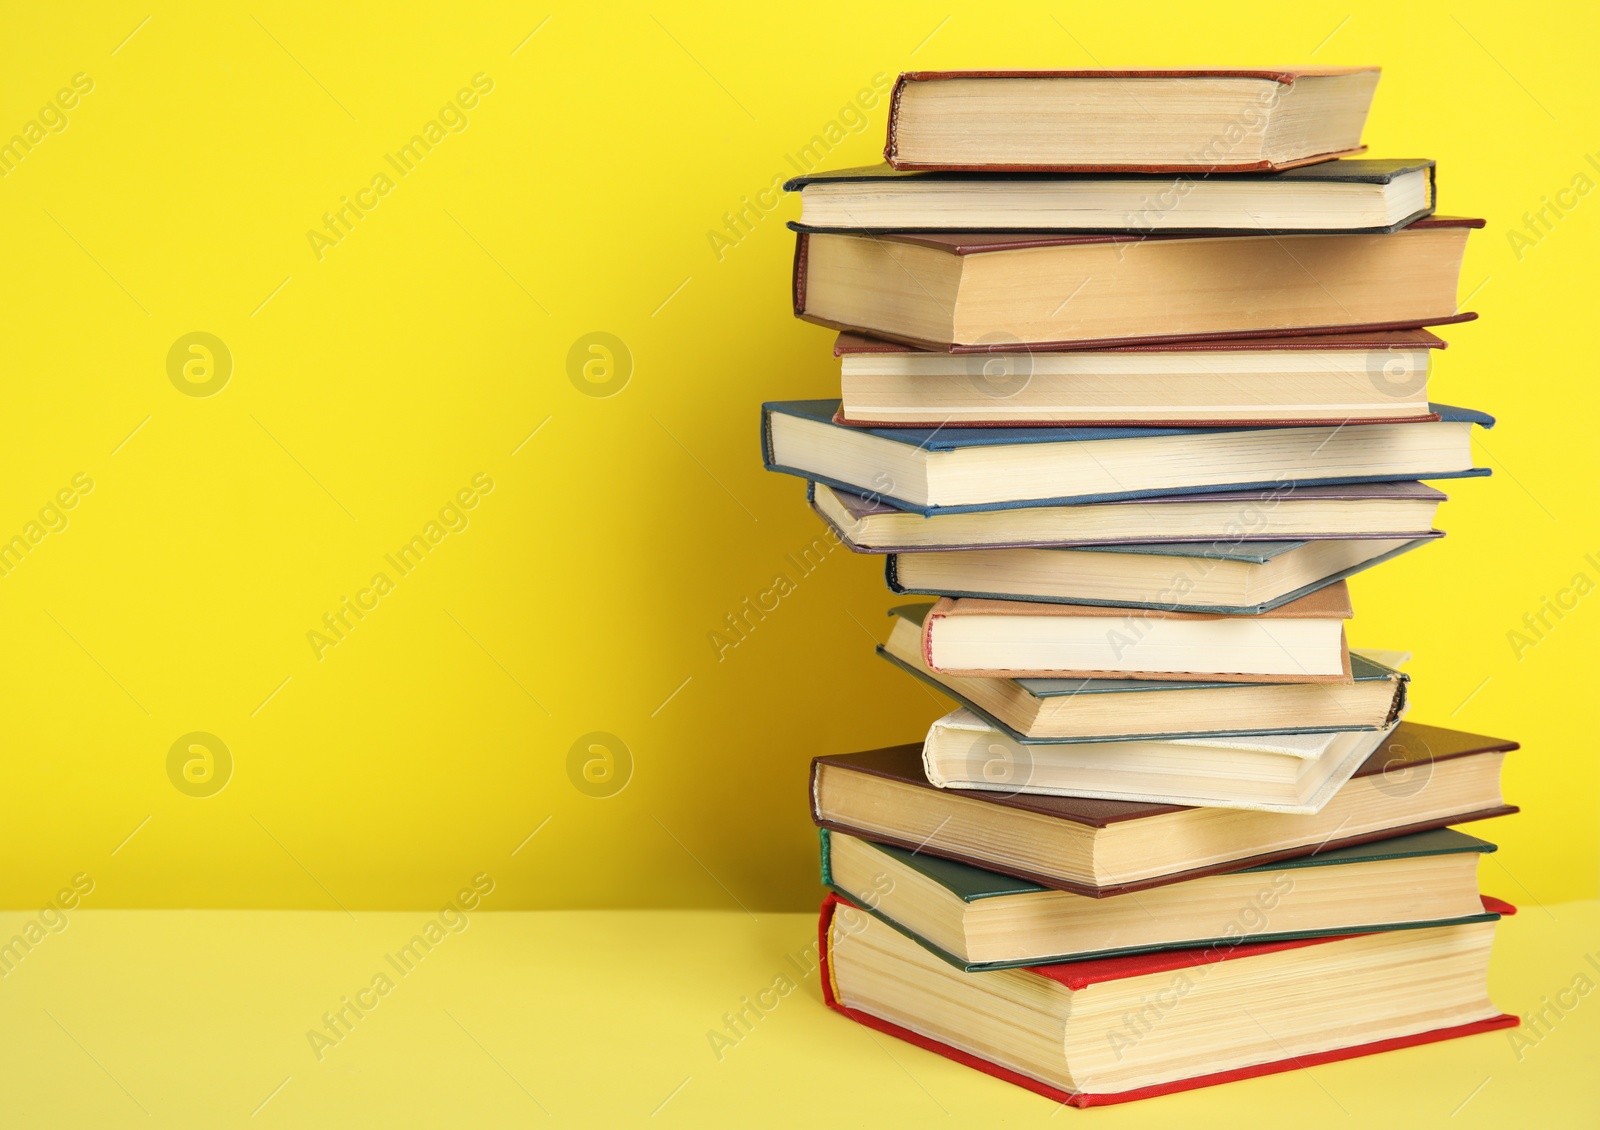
[798, 281]
[891, 573]
[766, 438]
[890, 144]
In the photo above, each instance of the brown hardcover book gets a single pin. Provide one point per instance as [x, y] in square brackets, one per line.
[1298, 642]
[1152, 121]
[1422, 777]
[968, 293]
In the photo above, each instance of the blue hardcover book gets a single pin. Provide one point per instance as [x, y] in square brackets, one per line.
[1046, 711]
[952, 470]
[1236, 578]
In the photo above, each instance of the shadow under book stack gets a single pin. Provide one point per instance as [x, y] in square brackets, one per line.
[1134, 375]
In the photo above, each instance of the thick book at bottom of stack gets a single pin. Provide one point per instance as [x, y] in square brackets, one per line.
[1144, 1025]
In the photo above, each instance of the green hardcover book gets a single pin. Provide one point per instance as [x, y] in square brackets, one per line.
[978, 920]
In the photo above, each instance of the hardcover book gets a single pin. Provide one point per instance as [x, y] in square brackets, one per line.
[1116, 1029]
[1269, 773]
[1403, 511]
[1299, 642]
[1177, 120]
[1242, 578]
[976, 919]
[1349, 195]
[973, 293]
[952, 470]
[1379, 377]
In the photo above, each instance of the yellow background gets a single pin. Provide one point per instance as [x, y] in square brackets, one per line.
[426, 347]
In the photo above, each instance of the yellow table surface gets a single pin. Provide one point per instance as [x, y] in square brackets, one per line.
[199, 1018]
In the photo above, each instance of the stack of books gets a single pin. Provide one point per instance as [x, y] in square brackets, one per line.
[1134, 375]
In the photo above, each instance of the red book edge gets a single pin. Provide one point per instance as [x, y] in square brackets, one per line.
[1087, 1099]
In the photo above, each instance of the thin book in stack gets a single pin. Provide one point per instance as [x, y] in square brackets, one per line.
[1135, 376]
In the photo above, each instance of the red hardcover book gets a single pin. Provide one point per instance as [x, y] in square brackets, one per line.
[1188, 966]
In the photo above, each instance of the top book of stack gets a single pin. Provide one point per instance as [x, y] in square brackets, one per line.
[1151, 121]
